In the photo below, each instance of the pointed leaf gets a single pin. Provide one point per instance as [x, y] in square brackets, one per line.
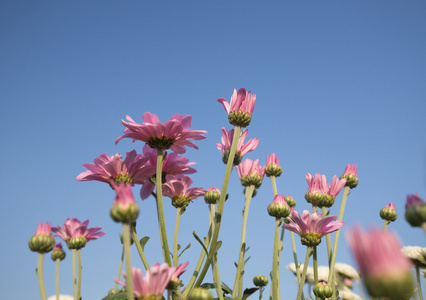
[247, 260]
[186, 248]
[199, 240]
[143, 241]
[119, 296]
[248, 292]
[226, 288]
[208, 286]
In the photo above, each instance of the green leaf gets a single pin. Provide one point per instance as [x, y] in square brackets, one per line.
[143, 241]
[208, 286]
[226, 288]
[119, 296]
[178, 247]
[248, 292]
[218, 245]
[246, 260]
[199, 240]
[186, 248]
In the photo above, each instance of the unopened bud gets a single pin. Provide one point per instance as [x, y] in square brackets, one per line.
[260, 281]
[279, 207]
[250, 179]
[323, 290]
[290, 201]
[212, 195]
[127, 215]
[42, 243]
[273, 170]
[58, 252]
[200, 294]
[416, 214]
[388, 213]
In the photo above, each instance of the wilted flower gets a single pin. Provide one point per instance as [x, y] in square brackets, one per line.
[415, 210]
[173, 164]
[242, 149]
[279, 207]
[177, 189]
[173, 134]
[73, 228]
[240, 108]
[311, 228]
[350, 175]
[42, 241]
[153, 284]
[107, 168]
[273, 167]
[58, 252]
[251, 173]
[124, 208]
[388, 212]
[386, 271]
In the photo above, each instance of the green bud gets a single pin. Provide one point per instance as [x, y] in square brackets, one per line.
[58, 254]
[396, 286]
[416, 214]
[273, 170]
[76, 243]
[250, 179]
[240, 118]
[314, 198]
[279, 210]
[351, 180]
[326, 201]
[124, 215]
[200, 294]
[323, 290]
[260, 281]
[290, 201]
[211, 197]
[387, 214]
[41, 243]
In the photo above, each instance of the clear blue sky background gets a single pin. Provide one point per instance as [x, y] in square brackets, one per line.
[337, 82]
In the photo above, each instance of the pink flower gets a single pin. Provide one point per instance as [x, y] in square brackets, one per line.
[173, 134]
[226, 143]
[72, 225]
[124, 209]
[43, 229]
[153, 284]
[177, 189]
[351, 176]
[415, 210]
[279, 207]
[386, 271]
[173, 164]
[251, 173]
[351, 170]
[336, 186]
[320, 193]
[58, 246]
[42, 241]
[241, 107]
[107, 168]
[311, 228]
[413, 200]
[273, 167]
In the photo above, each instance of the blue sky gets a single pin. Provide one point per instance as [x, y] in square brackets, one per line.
[337, 82]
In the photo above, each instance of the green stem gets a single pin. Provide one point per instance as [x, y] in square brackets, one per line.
[274, 185]
[309, 251]
[120, 267]
[260, 293]
[160, 209]
[327, 237]
[280, 248]
[275, 261]
[126, 244]
[315, 267]
[385, 225]
[138, 245]
[39, 272]
[216, 277]
[220, 206]
[175, 240]
[336, 242]
[74, 275]
[57, 278]
[240, 267]
[360, 288]
[419, 286]
[296, 263]
[79, 274]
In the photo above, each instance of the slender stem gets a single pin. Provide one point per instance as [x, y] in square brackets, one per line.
[274, 185]
[385, 225]
[309, 251]
[129, 279]
[419, 285]
[79, 274]
[39, 272]
[240, 267]
[260, 293]
[296, 263]
[138, 245]
[360, 288]
[327, 237]
[160, 209]
[74, 275]
[315, 267]
[57, 278]
[212, 210]
[280, 248]
[216, 277]
[275, 261]
[314, 209]
[120, 267]
[175, 240]
[336, 242]
[220, 206]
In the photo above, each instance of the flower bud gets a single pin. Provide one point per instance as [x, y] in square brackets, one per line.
[415, 211]
[124, 209]
[260, 281]
[252, 179]
[212, 195]
[351, 176]
[394, 287]
[323, 290]
[58, 252]
[388, 213]
[200, 294]
[326, 201]
[290, 201]
[310, 239]
[314, 198]
[42, 241]
[279, 207]
[273, 170]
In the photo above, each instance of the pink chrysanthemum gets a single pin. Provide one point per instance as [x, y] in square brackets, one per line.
[386, 271]
[240, 108]
[173, 134]
[107, 168]
[177, 189]
[273, 167]
[251, 173]
[320, 193]
[43, 229]
[72, 225]
[173, 164]
[413, 200]
[312, 227]
[242, 149]
[415, 210]
[154, 283]
[351, 175]
[42, 241]
[124, 208]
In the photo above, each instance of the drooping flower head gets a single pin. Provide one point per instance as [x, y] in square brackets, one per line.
[388, 213]
[312, 227]
[177, 189]
[240, 108]
[351, 176]
[279, 207]
[212, 195]
[242, 149]
[173, 164]
[74, 231]
[251, 173]
[385, 270]
[320, 193]
[273, 167]
[415, 210]
[107, 168]
[58, 252]
[42, 241]
[173, 134]
[154, 283]
[124, 209]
